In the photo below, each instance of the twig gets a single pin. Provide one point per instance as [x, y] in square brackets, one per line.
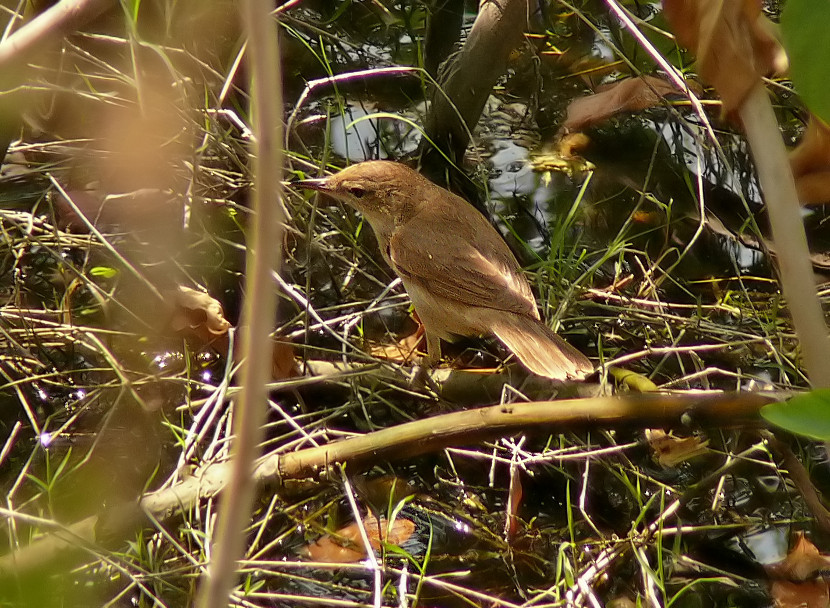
[45, 29]
[671, 71]
[801, 479]
[339, 79]
[364, 537]
[103, 239]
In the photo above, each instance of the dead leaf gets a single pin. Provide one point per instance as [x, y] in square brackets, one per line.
[813, 151]
[343, 550]
[814, 188]
[787, 594]
[810, 163]
[803, 562]
[669, 451]
[627, 95]
[514, 500]
[402, 351]
[283, 361]
[345, 546]
[733, 41]
[197, 315]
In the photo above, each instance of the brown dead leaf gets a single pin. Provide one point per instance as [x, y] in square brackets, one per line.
[733, 42]
[814, 188]
[810, 163]
[813, 151]
[345, 546]
[626, 95]
[283, 363]
[402, 351]
[812, 594]
[793, 587]
[802, 563]
[669, 451]
[197, 315]
[514, 501]
[345, 549]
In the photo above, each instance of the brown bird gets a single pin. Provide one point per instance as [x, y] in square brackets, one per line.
[461, 276]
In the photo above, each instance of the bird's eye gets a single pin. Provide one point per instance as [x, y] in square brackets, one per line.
[356, 191]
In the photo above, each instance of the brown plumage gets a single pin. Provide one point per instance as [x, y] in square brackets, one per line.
[461, 276]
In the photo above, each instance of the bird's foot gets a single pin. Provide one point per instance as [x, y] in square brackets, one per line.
[421, 377]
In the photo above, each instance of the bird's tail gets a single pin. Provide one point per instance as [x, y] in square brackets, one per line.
[540, 349]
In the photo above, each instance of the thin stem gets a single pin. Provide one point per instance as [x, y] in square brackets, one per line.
[796, 272]
[260, 302]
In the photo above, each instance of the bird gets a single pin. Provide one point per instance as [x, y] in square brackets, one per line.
[460, 274]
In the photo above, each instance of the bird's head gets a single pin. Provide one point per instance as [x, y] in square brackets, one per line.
[381, 190]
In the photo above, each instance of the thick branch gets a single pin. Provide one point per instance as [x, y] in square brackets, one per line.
[407, 441]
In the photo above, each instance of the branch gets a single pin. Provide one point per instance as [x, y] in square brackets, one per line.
[399, 442]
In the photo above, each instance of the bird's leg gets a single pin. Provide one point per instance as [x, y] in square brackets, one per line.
[433, 357]
[420, 373]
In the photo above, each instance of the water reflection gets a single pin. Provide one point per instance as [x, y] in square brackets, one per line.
[515, 175]
[358, 135]
[768, 546]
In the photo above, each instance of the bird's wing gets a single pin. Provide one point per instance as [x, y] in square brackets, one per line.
[454, 263]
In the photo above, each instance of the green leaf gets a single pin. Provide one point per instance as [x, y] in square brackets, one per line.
[807, 414]
[805, 27]
[103, 272]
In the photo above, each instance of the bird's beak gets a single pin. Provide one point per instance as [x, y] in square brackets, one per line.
[320, 184]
